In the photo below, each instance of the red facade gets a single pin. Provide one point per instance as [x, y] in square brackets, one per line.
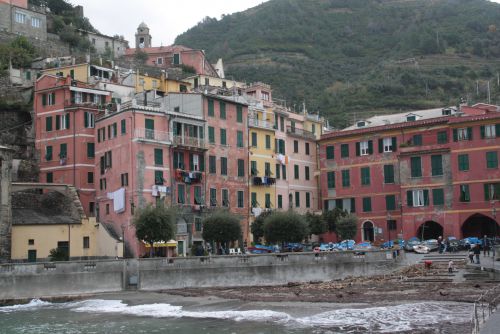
[428, 177]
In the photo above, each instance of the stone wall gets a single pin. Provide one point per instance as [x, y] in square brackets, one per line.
[26, 281]
[51, 47]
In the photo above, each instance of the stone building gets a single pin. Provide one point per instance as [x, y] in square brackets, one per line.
[18, 18]
[424, 174]
[115, 47]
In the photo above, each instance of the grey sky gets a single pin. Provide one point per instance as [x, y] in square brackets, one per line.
[165, 18]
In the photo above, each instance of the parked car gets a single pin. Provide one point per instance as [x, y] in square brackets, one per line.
[408, 246]
[293, 247]
[432, 244]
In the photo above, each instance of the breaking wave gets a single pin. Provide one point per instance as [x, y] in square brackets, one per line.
[381, 319]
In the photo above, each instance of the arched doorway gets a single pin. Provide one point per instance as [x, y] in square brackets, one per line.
[429, 230]
[368, 231]
[479, 225]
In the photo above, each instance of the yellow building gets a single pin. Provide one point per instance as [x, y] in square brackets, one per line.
[262, 159]
[144, 82]
[84, 239]
[82, 72]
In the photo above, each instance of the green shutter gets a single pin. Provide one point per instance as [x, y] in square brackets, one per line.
[497, 130]
[380, 145]
[296, 171]
[487, 192]
[67, 120]
[330, 152]
[223, 140]
[58, 122]
[48, 123]
[72, 74]
[241, 168]
[239, 114]
[211, 134]
[268, 141]
[491, 160]
[390, 202]
[201, 160]
[211, 108]
[239, 138]
[483, 131]
[63, 151]
[358, 149]
[394, 144]
[365, 176]
[437, 196]
[158, 157]
[222, 107]
[48, 155]
[437, 165]
[388, 174]
[44, 99]
[469, 133]
[331, 180]
[85, 119]
[346, 178]
[455, 134]
[416, 167]
[367, 204]
[90, 150]
[280, 201]
[123, 126]
[463, 162]
[426, 197]
[370, 147]
[353, 205]
[191, 161]
[344, 150]
[149, 124]
[53, 98]
[409, 198]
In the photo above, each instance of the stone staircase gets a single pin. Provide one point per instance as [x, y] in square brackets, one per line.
[438, 271]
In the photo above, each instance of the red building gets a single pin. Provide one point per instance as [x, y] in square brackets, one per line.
[65, 113]
[427, 173]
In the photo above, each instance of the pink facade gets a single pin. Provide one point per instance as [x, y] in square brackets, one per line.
[65, 112]
[18, 3]
[425, 178]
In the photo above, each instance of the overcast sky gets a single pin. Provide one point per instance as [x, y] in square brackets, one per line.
[166, 19]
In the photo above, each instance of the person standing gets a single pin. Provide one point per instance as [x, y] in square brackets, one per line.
[440, 244]
[477, 253]
[471, 255]
[486, 246]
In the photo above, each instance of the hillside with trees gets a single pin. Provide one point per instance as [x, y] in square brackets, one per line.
[351, 58]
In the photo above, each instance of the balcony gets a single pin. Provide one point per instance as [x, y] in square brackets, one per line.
[300, 133]
[263, 181]
[148, 135]
[257, 123]
[189, 142]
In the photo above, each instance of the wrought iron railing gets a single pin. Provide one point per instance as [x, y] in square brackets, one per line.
[300, 132]
[189, 141]
[153, 135]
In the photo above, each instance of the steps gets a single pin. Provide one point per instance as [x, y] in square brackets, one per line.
[457, 258]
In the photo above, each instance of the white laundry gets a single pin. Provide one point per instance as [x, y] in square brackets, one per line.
[256, 211]
[118, 198]
[162, 189]
[154, 191]
[281, 158]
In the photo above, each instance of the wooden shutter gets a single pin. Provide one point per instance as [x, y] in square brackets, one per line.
[380, 145]
[486, 192]
[85, 119]
[409, 197]
[191, 161]
[67, 120]
[58, 122]
[497, 130]
[358, 150]
[469, 133]
[483, 131]
[353, 205]
[455, 134]
[44, 99]
[394, 144]
[426, 197]
[370, 147]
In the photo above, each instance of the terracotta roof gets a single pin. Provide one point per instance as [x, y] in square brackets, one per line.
[35, 217]
[161, 49]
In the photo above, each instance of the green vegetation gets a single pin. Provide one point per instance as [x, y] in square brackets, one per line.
[331, 217]
[347, 227]
[221, 227]
[155, 224]
[58, 254]
[20, 52]
[317, 225]
[281, 227]
[352, 58]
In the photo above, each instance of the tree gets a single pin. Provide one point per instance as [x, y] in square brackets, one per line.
[257, 227]
[347, 226]
[155, 224]
[58, 254]
[285, 227]
[221, 227]
[140, 57]
[332, 216]
[316, 224]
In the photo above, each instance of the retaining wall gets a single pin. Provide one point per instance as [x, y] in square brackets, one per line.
[20, 281]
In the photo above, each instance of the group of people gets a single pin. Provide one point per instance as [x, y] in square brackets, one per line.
[475, 250]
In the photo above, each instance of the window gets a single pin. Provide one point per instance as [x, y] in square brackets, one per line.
[197, 195]
[177, 58]
[416, 166]
[48, 153]
[63, 151]
[86, 242]
[254, 139]
[437, 165]
[282, 123]
[223, 166]
[307, 148]
[417, 198]
[364, 148]
[50, 177]
[159, 177]
[158, 157]
[437, 197]
[124, 179]
[346, 178]
[239, 138]
[255, 203]
[239, 114]
[149, 124]
[295, 146]
[283, 172]
[179, 160]
[488, 131]
[222, 110]
[36, 22]
[31, 242]
[388, 173]
[198, 224]
[280, 201]
[20, 17]
[280, 146]
[344, 150]
[296, 171]
[62, 122]
[387, 145]
[48, 123]
[211, 135]
[392, 225]
[90, 150]
[464, 193]
[241, 199]
[442, 137]
[491, 160]
[308, 200]
[207, 82]
[462, 134]
[241, 168]
[365, 176]
[367, 204]
[463, 162]
[211, 164]
[330, 152]
[181, 194]
[417, 140]
[278, 171]
[123, 124]
[267, 169]
[307, 172]
[491, 191]
[90, 177]
[292, 126]
[49, 99]
[88, 120]
[102, 184]
[297, 199]
[268, 201]
[253, 168]
[225, 198]
[211, 108]
[268, 142]
[390, 202]
[223, 139]
[330, 180]
[213, 197]
[411, 118]
[159, 60]
[313, 128]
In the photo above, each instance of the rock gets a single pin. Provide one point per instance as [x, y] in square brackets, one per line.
[290, 284]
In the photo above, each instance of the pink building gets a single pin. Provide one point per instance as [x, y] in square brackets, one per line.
[65, 112]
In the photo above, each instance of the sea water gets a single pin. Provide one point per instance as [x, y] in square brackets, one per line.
[147, 316]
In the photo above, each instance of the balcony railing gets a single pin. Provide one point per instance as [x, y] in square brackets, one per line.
[254, 122]
[189, 141]
[152, 135]
[300, 133]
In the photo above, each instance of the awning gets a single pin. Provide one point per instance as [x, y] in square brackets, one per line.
[171, 243]
[159, 244]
